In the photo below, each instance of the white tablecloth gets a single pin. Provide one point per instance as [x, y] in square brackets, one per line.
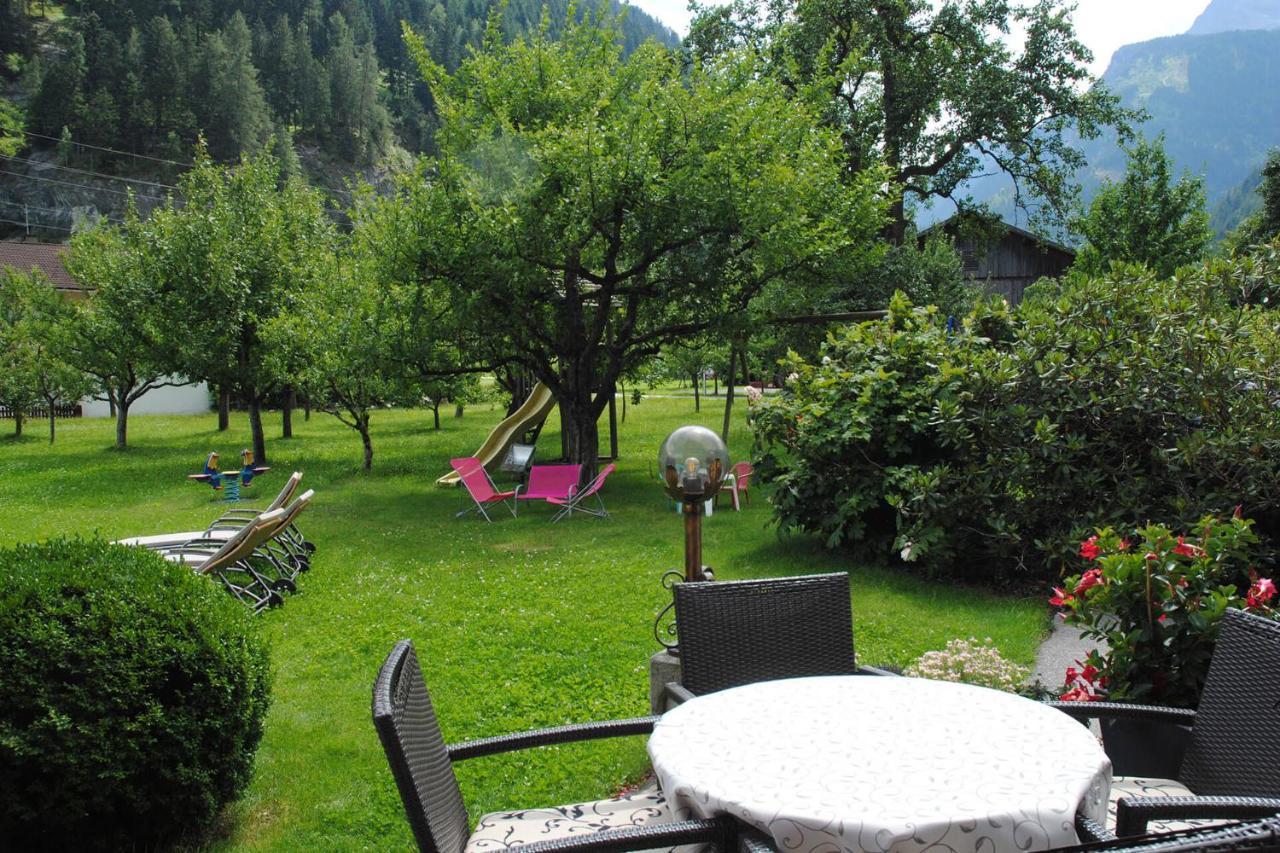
[871, 763]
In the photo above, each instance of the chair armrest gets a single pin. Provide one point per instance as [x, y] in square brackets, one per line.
[1132, 813]
[875, 670]
[557, 734]
[1085, 711]
[1090, 831]
[677, 692]
[720, 831]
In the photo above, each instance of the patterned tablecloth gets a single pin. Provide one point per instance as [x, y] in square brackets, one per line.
[868, 763]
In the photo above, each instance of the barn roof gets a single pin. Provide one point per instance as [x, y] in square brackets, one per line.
[49, 258]
[950, 222]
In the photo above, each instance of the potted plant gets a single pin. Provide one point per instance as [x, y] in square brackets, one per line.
[1154, 601]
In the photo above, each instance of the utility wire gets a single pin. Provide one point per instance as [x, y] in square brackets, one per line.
[60, 211]
[93, 174]
[37, 225]
[110, 150]
[70, 184]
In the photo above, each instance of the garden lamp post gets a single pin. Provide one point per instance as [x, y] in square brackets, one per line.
[693, 461]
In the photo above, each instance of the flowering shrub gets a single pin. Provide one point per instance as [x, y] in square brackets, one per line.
[970, 662]
[1156, 600]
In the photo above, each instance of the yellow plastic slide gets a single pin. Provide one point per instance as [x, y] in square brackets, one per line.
[532, 412]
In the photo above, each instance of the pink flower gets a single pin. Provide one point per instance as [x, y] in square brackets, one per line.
[1079, 694]
[1185, 549]
[1089, 548]
[1088, 581]
[1162, 617]
[1262, 591]
[1061, 598]
[1124, 545]
[1151, 555]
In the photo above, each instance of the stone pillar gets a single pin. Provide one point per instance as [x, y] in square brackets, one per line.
[664, 667]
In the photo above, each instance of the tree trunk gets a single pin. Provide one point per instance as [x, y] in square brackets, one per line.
[286, 416]
[306, 408]
[746, 366]
[122, 423]
[728, 397]
[111, 403]
[457, 411]
[697, 398]
[715, 384]
[255, 426]
[613, 424]
[224, 409]
[52, 416]
[17, 422]
[363, 426]
[582, 436]
[624, 402]
[435, 411]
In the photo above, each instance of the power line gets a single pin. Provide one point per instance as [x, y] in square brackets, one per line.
[93, 174]
[70, 184]
[110, 150]
[38, 225]
[25, 206]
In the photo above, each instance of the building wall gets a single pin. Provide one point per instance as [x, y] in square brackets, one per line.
[169, 400]
[1012, 264]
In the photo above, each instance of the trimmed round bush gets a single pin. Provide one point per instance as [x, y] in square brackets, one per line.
[132, 696]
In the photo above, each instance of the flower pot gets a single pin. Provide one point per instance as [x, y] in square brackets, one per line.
[1144, 747]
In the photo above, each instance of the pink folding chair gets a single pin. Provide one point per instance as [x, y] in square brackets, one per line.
[578, 502]
[550, 481]
[480, 487]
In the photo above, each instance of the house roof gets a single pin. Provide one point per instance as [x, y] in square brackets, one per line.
[950, 221]
[49, 258]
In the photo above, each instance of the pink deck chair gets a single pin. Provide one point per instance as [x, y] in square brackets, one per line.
[480, 487]
[578, 501]
[550, 481]
[739, 485]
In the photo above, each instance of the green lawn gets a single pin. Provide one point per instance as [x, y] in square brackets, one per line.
[518, 624]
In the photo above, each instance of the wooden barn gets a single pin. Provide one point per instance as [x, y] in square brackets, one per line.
[1009, 264]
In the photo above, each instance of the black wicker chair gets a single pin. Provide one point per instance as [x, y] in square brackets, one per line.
[1231, 767]
[423, 768]
[1252, 835]
[740, 632]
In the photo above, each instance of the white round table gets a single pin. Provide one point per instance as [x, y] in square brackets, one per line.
[877, 763]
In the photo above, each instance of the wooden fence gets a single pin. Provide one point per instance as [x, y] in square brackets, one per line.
[66, 410]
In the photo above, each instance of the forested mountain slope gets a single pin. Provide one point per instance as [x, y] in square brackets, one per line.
[329, 78]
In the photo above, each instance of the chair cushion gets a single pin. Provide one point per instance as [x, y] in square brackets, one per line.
[1134, 786]
[502, 830]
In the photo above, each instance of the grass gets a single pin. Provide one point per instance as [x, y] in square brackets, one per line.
[518, 624]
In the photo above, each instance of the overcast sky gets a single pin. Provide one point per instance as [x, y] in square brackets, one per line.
[1103, 25]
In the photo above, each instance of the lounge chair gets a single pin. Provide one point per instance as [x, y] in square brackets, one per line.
[286, 550]
[480, 488]
[579, 501]
[1230, 769]
[422, 765]
[230, 560]
[232, 519]
[551, 483]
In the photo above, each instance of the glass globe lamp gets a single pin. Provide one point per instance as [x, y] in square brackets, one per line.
[693, 460]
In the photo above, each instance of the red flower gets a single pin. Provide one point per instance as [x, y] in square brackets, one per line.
[1124, 545]
[1262, 591]
[1239, 513]
[1151, 555]
[1061, 598]
[1186, 550]
[1088, 581]
[1079, 693]
[1089, 548]
[1161, 619]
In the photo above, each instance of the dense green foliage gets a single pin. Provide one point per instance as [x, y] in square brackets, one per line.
[148, 76]
[134, 698]
[588, 209]
[887, 73]
[519, 624]
[986, 451]
[1145, 218]
[1264, 224]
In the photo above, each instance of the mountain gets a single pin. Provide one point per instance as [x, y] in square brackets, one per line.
[1215, 97]
[1236, 204]
[1226, 15]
